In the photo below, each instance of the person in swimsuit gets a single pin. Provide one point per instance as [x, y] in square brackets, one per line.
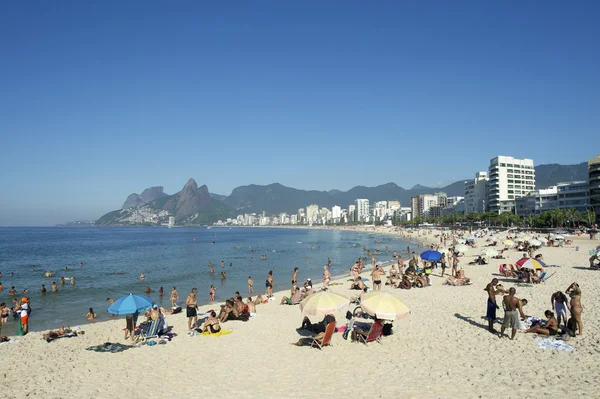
[513, 306]
[4, 312]
[326, 277]
[174, 297]
[211, 294]
[295, 277]
[492, 306]
[376, 276]
[91, 315]
[269, 284]
[575, 306]
[559, 305]
[250, 285]
[211, 324]
[191, 309]
[550, 328]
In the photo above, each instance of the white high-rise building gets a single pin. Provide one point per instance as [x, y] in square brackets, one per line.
[171, 221]
[362, 210]
[336, 213]
[475, 192]
[510, 178]
[312, 211]
[352, 213]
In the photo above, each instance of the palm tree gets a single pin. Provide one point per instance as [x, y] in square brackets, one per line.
[589, 217]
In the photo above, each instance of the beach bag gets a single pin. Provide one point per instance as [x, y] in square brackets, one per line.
[20, 331]
[387, 330]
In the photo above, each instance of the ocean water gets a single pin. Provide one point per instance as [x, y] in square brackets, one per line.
[114, 258]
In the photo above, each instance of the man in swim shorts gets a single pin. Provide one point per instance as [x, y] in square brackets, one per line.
[492, 306]
[513, 307]
[191, 309]
[559, 305]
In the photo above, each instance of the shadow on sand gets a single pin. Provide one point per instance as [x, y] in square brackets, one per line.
[471, 321]
[584, 268]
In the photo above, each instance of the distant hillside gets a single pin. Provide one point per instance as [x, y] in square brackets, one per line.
[192, 205]
[148, 195]
[550, 174]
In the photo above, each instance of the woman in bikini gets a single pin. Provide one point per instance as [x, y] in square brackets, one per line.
[575, 306]
[211, 324]
[550, 328]
[269, 284]
[174, 297]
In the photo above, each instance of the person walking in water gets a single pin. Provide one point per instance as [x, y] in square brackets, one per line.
[211, 294]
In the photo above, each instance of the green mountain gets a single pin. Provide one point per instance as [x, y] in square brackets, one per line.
[550, 174]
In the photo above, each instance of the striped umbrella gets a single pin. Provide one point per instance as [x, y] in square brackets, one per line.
[531, 263]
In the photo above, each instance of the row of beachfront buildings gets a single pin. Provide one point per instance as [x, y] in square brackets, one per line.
[507, 186]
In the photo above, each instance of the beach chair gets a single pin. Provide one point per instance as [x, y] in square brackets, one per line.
[374, 334]
[152, 331]
[541, 279]
[326, 338]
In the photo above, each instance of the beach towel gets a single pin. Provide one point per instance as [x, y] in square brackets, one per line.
[70, 335]
[553, 344]
[217, 334]
[110, 347]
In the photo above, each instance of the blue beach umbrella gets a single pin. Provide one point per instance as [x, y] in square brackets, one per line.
[431, 256]
[130, 304]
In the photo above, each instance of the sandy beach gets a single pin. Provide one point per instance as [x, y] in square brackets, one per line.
[442, 350]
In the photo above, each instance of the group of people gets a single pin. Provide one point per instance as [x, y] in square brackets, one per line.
[514, 314]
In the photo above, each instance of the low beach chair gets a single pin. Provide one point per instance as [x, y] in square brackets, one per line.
[374, 334]
[153, 330]
[326, 338]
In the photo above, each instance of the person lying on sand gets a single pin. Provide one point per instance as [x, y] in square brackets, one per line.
[316, 327]
[55, 333]
[457, 281]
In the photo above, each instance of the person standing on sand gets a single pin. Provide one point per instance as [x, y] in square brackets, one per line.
[250, 285]
[559, 305]
[174, 297]
[575, 307]
[376, 276]
[326, 277]
[211, 294]
[295, 277]
[191, 309]
[269, 284]
[513, 306]
[492, 306]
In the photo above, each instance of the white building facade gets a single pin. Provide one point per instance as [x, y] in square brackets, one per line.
[475, 193]
[509, 179]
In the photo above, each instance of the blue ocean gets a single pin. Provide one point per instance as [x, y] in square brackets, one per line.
[114, 258]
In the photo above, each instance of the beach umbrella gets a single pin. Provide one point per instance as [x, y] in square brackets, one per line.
[461, 241]
[559, 237]
[531, 263]
[130, 304]
[508, 243]
[383, 305]
[461, 248]
[526, 237]
[489, 252]
[323, 303]
[535, 243]
[431, 256]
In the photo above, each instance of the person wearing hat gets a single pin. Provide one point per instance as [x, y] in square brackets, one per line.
[308, 284]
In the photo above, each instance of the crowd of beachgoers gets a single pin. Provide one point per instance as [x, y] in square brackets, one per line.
[516, 282]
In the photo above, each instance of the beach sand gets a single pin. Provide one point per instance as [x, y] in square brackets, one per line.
[442, 350]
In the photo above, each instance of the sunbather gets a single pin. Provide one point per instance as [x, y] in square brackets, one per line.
[53, 334]
[457, 281]
[211, 324]
[549, 328]
[317, 327]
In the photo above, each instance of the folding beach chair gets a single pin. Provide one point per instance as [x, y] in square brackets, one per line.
[152, 331]
[326, 338]
[374, 334]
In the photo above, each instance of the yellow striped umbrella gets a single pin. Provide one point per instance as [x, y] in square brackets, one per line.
[383, 305]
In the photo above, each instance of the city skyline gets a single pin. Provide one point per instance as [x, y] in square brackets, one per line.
[102, 100]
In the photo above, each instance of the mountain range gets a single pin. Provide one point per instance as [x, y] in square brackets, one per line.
[195, 205]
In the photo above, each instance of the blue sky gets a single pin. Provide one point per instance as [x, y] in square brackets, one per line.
[102, 99]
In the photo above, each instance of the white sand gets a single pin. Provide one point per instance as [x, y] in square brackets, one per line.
[442, 350]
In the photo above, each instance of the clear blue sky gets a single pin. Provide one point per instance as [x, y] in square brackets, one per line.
[102, 99]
